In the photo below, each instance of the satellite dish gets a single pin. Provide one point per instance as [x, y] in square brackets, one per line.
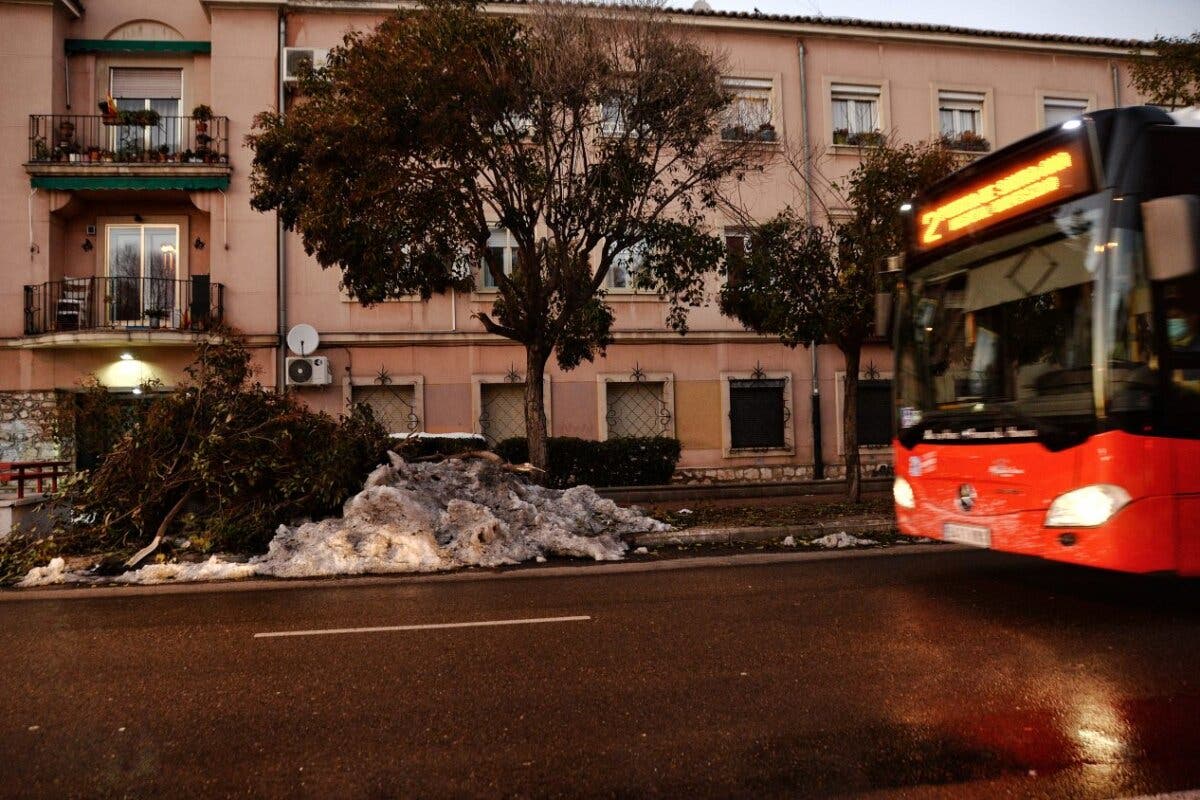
[303, 339]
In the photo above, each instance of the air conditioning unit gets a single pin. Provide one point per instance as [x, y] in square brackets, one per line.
[293, 57]
[308, 371]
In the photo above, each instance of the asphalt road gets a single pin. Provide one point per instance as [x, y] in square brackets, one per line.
[950, 674]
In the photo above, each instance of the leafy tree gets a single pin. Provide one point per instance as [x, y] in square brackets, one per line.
[587, 134]
[809, 283]
[1171, 76]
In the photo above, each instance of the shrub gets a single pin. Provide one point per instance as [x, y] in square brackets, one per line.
[220, 461]
[413, 447]
[634, 461]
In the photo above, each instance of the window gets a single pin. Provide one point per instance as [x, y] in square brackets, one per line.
[501, 411]
[151, 89]
[757, 413]
[1058, 110]
[637, 404]
[750, 114]
[960, 116]
[612, 116]
[625, 265]
[394, 405]
[142, 265]
[502, 256]
[874, 412]
[855, 114]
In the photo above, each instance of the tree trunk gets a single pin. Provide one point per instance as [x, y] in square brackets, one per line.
[535, 409]
[853, 356]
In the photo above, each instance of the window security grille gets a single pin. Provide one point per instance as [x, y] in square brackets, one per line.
[502, 411]
[636, 409]
[394, 407]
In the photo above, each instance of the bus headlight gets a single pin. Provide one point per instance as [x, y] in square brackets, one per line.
[1086, 507]
[903, 493]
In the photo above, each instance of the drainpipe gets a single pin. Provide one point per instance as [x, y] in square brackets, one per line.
[818, 457]
[1116, 78]
[280, 260]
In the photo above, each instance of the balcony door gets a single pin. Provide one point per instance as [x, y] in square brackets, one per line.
[139, 88]
[143, 275]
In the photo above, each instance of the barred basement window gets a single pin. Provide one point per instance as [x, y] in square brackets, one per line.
[757, 414]
[874, 412]
[637, 409]
[501, 411]
[394, 406]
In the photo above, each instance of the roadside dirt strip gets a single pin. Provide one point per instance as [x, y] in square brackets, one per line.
[854, 526]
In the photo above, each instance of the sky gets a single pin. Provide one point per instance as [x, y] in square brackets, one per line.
[1121, 19]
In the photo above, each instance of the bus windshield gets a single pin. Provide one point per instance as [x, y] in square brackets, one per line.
[995, 342]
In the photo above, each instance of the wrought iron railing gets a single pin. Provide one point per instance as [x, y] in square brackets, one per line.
[130, 138]
[131, 303]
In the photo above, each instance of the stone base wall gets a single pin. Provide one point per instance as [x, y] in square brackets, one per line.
[26, 420]
[876, 463]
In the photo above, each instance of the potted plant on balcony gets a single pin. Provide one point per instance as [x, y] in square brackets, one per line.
[156, 316]
[841, 136]
[41, 150]
[766, 132]
[164, 152]
[865, 139]
[201, 115]
[969, 140]
[66, 131]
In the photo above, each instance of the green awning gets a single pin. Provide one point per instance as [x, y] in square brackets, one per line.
[135, 46]
[76, 182]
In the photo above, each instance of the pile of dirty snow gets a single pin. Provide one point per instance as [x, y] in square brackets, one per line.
[840, 540]
[421, 517]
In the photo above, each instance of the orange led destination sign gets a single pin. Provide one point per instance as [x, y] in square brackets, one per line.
[1054, 173]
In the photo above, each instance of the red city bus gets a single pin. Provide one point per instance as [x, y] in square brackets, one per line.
[1047, 379]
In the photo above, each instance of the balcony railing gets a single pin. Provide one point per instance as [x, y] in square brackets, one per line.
[123, 303]
[92, 140]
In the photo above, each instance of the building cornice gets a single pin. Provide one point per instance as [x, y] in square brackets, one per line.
[832, 27]
[73, 7]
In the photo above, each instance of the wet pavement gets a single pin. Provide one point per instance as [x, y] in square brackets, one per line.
[952, 674]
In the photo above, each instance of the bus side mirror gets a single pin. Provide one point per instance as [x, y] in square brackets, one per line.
[1172, 227]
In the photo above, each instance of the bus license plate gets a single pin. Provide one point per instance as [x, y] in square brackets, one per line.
[974, 535]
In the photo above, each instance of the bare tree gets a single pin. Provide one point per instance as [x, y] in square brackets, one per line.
[590, 135]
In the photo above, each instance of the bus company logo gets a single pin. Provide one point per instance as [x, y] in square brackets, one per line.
[1003, 469]
[922, 465]
[967, 497]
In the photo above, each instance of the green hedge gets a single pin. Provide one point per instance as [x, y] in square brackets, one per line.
[642, 461]
[414, 447]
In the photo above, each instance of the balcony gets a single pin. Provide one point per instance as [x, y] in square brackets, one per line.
[133, 150]
[116, 310]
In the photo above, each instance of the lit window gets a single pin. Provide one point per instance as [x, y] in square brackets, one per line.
[750, 114]
[855, 114]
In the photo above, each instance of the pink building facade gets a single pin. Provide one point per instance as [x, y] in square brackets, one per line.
[129, 239]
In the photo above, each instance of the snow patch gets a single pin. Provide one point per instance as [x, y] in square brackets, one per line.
[842, 539]
[789, 541]
[421, 517]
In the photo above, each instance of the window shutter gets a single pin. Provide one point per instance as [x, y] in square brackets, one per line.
[756, 416]
[140, 83]
[874, 412]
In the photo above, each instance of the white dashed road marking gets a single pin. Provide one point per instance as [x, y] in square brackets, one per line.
[429, 627]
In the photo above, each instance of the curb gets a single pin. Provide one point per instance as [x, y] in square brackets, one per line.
[730, 490]
[524, 572]
[853, 526]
